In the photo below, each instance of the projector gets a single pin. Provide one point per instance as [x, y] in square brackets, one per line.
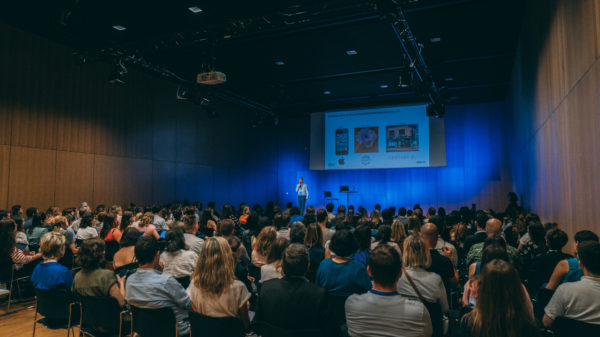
[211, 78]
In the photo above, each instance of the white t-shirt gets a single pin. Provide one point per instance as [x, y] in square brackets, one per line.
[227, 304]
[86, 233]
[430, 286]
[180, 263]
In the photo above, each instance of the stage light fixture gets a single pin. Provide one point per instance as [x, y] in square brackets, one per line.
[435, 110]
[119, 27]
[326, 92]
[117, 73]
[435, 39]
[351, 52]
[195, 9]
[279, 63]
[383, 86]
[448, 79]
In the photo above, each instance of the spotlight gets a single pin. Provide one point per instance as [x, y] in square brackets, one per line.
[435, 110]
[117, 73]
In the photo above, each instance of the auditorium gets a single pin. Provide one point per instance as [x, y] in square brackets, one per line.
[300, 168]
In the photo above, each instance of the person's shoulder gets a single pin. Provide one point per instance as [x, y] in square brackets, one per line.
[356, 300]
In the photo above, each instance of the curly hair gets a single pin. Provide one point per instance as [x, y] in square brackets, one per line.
[91, 254]
[52, 244]
[214, 270]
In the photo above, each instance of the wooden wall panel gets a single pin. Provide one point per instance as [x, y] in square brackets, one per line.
[32, 177]
[4, 170]
[137, 181]
[109, 180]
[74, 178]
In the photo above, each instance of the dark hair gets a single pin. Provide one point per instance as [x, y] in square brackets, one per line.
[295, 211]
[125, 220]
[7, 241]
[108, 223]
[280, 221]
[297, 233]
[384, 233]
[321, 215]
[189, 221]
[295, 260]
[314, 236]
[414, 223]
[402, 211]
[341, 209]
[227, 211]
[585, 235]
[91, 254]
[146, 249]
[279, 246]
[129, 238]
[556, 239]
[537, 234]
[329, 207]
[385, 265]
[431, 211]
[35, 222]
[481, 218]
[86, 220]
[343, 243]
[226, 227]
[589, 255]
[363, 237]
[15, 209]
[206, 216]
[234, 243]
[494, 240]
[30, 211]
[492, 252]
[175, 240]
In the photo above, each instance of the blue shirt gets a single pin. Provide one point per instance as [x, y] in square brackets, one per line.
[302, 190]
[50, 275]
[343, 278]
[296, 218]
[151, 289]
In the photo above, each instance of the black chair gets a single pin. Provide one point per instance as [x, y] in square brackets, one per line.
[59, 311]
[336, 308]
[436, 315]
[566, 327]
[270, 330]
[184, 281]
[127, 269]
[153, 322]
[111, 249]
[540, 301]
[204, 326]
[101, 316]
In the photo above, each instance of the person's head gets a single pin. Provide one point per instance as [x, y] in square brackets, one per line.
[501, 308]
[91, 254]
[227, 211]
[402, 211]
[265, 239]
[375, 215]
[295, 260]
[16, 210]
[556, 239]
[52, 245]
[459, 232]
[362, 234]
[314, 236]
[329, 208]
[414, 224]
[146, 220]
[415, 253]
[31, 211]
[343, 243]
[589, 258]
[190, 224]
[282, 221]
[175, 240]
[398, 233]
[384, 233]
[279, 245]
[385, 266]
[537, 234]
[61, 222]
[215, 267]
[341, 210]
[585, 235]
[235, 244]
[431, 212]
[146, 250]
[512, 197]
[129, 238]
[108, 223]
[295, 210]
[493, 227]
[226, 226]
[87, 220]
[481, 219]
[126, 220]
[322, 216]
[300, 180]
[494, 251]
[297, 232]
[429, 233]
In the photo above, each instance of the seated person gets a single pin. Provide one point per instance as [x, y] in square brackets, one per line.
[126, 253]
[297, 232]
[50, 274]
[241, 264]
[146, 226]
[86, 227]
[214, 291]
[382, 311]
[293, 303]
[340, 275]
[261, 245]
[272, 269]
[36, 231]
[93, 280]
[314, 241]
[149, 288]
[568, 270]
[178, 262]
[192, 242]
[416, 260]
[542, 267]
[579, 300]
[9, 252]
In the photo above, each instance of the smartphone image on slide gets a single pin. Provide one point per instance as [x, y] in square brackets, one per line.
[402, 138]
[341, 142]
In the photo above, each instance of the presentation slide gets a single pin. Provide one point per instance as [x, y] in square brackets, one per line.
[389, 137]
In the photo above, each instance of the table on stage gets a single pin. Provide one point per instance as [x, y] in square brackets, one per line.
[348, 197]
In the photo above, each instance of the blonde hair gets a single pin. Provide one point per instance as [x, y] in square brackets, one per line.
[265, 240]
[61, 221]
[52, 244]
[398, 233]
[246, 210]
[147, 219]
[215, 267]
[416, 253]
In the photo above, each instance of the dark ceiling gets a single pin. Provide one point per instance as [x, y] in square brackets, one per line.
[468, 45]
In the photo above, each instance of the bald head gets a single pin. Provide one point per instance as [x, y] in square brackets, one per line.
[493, 227]
[429, 233]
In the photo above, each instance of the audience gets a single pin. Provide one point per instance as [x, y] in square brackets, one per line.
[440, 264]
[36, 231]
[192, 242]
[214, 291]
[86, 227]
[177, 261]
[314, 241]
[49, 274]
[272, 269]
[293, 303]
[261, 246]
[384, 235]
[297, 232]
[568, 270]
[146, 227]
[149, 288]
[382, 311]
[126, 253]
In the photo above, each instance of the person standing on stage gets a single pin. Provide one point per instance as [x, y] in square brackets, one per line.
[302, 191]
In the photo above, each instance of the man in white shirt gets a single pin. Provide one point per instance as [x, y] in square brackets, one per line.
[302, 190]
[192, 242]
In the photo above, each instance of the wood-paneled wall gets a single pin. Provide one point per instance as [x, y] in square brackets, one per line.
[555, 100]
[67, 135]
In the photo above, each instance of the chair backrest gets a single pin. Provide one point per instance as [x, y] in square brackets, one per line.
[564, 327]
[540, 301]
[270, 330]
[435, 313]
[336, 308]
[53, 304]
[184, 281]
[205, 326]
[110, 250]
[100, 311]
[153, 322]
